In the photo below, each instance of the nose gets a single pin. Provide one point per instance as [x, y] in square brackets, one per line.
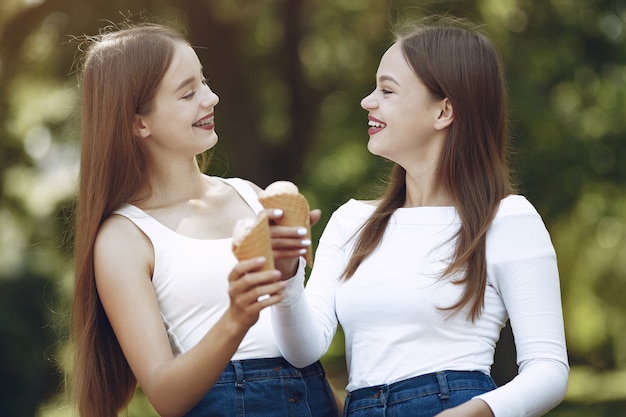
[208, 98]
[369, 102]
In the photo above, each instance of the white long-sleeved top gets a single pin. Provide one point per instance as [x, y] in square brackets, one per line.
[389, 309]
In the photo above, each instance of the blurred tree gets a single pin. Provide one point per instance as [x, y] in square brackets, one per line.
[290, 74]
[28, 372]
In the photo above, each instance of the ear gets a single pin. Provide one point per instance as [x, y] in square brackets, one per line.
[140, 130]
[446, 114]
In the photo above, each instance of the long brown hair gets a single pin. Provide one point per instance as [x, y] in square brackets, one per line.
[454, 60]
[121, 72]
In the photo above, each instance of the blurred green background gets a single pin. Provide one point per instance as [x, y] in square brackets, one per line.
[290, 75]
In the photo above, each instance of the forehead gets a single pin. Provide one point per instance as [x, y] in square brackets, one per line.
[185, 64]
[393, 64]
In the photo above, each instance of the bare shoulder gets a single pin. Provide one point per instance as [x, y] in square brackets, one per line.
[120, 247]
[116, 230]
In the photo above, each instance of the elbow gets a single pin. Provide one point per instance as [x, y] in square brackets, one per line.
[300, 363]
[555, 377]
[167, 400]
[565, 381]
[162, 406]
[299, 359]
[560, 378]
[165, 408]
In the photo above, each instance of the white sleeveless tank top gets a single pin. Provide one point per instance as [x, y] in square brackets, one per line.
[191, 282]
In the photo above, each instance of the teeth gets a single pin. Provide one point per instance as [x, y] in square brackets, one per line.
[375, 124]
[204, 122]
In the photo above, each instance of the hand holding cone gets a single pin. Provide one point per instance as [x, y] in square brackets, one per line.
[251, 238]
[285, 196]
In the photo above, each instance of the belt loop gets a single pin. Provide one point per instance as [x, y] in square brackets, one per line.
[444, 391]
[386, 393]
[240, 379]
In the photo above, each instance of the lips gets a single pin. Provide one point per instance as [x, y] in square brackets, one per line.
[375, 125]
[206, 122]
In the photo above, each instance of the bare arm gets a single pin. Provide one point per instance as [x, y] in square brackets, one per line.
[123, 263]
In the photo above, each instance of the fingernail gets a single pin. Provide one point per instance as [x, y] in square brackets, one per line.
[278, 212]
[302, 251]
[302, 231]
[306, 242]
[260, 259]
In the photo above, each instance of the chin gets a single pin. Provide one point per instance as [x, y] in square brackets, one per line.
[374, 150]
[212, 141]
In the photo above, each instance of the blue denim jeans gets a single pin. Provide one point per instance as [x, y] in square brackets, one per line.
[268, 388]
[421, 396]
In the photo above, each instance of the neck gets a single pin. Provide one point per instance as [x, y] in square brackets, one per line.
[172, 183]
[426, 190]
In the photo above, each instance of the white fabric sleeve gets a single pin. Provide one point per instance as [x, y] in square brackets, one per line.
[305, 324]
[524, 271]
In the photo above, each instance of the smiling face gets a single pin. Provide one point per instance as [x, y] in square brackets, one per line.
[181, 117]
[405, 120]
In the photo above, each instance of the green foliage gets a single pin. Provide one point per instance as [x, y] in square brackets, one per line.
[607, 409]
[28, 373]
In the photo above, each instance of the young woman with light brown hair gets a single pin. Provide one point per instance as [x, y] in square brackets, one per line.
[423, 280]
[160, 300]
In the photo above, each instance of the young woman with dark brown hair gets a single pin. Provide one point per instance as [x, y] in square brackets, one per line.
[160, 300]
[423, 280]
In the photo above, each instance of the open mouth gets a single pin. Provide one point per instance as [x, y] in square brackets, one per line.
[206, 121]
[375, 125]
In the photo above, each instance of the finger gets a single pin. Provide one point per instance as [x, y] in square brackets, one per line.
[255, 308]
[287, 243]
[274, 213]
[271, 300]
[251, 280]
[278, 231]
[244, 291]
[257, 293]
[246, 266]
[288, 253]
[266, 291]
[314, 216]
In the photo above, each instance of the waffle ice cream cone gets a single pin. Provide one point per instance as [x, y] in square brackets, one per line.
[251, 238]
[285, 196]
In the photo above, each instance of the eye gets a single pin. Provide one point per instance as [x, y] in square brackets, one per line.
[203, 81]
[386, 91]
[189, 95]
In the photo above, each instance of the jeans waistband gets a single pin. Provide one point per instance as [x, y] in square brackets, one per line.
[434, 383]
[267, 368]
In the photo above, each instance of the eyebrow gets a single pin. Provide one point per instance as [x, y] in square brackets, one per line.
[187, 81]
[184, 83]
[388, 78]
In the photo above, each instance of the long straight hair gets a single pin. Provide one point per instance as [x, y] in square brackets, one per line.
[120, 75]
[454, 60]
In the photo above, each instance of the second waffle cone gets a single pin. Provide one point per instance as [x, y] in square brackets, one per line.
[296, 210]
